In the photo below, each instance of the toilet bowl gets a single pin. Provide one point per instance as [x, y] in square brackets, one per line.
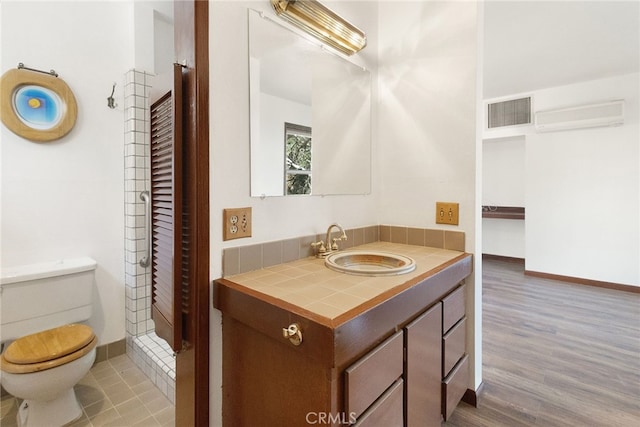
[43, 368]
[47, 349]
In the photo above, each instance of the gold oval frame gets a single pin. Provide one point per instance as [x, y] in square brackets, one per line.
[14, 79]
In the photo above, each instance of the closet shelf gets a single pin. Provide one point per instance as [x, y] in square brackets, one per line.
[503, 212]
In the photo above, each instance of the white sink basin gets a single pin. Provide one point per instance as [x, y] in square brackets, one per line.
[370, 263]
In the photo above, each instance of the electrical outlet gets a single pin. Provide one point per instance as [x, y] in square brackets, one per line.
[236, 223]
[447, 213]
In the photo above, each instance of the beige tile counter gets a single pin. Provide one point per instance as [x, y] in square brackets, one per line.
[308, 284]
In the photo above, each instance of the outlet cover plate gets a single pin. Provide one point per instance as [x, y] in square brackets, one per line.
[447, 213]
[236, 223]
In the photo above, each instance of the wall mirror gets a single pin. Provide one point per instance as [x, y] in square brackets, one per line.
[310, 116]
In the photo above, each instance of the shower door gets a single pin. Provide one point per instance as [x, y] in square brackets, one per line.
[168, 216]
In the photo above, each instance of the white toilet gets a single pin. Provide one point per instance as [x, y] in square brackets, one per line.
[45, 352]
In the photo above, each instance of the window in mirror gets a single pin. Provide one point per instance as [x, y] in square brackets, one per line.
[297, 159]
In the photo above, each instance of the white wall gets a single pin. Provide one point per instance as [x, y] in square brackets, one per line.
[503, 184]
[427, 101]
[65, 199]
[583, 189]
[503, 173]
[153, 35]
[274, 218]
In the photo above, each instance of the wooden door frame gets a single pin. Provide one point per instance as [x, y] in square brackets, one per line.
[191, 37]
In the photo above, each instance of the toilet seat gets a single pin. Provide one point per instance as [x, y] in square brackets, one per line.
[48, 349]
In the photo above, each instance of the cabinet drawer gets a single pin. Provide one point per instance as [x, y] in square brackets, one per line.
[454, 386]
[387, 411]
[370, 376]
[452, 309]
[453, 346]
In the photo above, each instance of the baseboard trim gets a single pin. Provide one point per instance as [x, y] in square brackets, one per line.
[503, 258]
[111, 350]
[472, 396]
[588, 282]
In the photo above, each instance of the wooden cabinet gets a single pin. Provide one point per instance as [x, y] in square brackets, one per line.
[422, 371]
[455, 364]
[377, 365]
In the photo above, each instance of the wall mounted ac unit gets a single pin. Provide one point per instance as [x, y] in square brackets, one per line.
[609, 113]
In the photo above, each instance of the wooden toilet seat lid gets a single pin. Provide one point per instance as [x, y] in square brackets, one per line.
[48, 345]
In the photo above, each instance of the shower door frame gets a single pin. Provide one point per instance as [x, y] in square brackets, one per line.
[191, 38]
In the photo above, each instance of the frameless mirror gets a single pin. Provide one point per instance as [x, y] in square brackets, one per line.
[310, 115]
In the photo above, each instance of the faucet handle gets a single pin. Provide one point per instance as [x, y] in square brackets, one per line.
[319, 247]
[334, 244]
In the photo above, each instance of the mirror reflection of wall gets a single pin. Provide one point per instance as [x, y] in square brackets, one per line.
[295, 81]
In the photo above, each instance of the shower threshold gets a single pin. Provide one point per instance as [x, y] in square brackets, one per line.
[155, 358]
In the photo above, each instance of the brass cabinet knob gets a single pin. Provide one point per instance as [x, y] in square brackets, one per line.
[294, 333]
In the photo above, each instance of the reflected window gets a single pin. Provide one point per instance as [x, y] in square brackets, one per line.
[298, 159]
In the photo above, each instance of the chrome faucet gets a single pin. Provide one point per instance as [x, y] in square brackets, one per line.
[323, 249]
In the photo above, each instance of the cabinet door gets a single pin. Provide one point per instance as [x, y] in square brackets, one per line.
[423, 368]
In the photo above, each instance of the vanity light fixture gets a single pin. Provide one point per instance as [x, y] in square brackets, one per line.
[322, 23]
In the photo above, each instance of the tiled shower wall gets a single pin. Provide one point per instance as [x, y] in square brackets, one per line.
[152, 354]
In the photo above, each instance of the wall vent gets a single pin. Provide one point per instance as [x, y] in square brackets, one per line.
[509, 113]
[582, 116]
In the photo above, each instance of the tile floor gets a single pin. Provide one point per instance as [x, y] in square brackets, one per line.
[114, 393]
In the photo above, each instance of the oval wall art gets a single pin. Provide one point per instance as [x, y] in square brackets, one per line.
[37, 105]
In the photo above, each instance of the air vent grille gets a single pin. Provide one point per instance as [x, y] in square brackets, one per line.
[509, 113]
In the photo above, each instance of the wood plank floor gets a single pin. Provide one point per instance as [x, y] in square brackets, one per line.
[555, 354]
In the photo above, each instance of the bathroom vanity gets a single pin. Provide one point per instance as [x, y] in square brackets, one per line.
[304, 345]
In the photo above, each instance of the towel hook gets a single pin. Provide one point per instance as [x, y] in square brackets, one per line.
[111, 102]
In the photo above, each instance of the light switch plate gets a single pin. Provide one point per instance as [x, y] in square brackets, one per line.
[447, 213]
[236, 223]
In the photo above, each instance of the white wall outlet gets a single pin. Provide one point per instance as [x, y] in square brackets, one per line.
[236, 223]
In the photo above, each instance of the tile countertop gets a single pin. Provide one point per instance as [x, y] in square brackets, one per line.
[308, 284]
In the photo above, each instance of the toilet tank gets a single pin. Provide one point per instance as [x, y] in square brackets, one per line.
[37, 297]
